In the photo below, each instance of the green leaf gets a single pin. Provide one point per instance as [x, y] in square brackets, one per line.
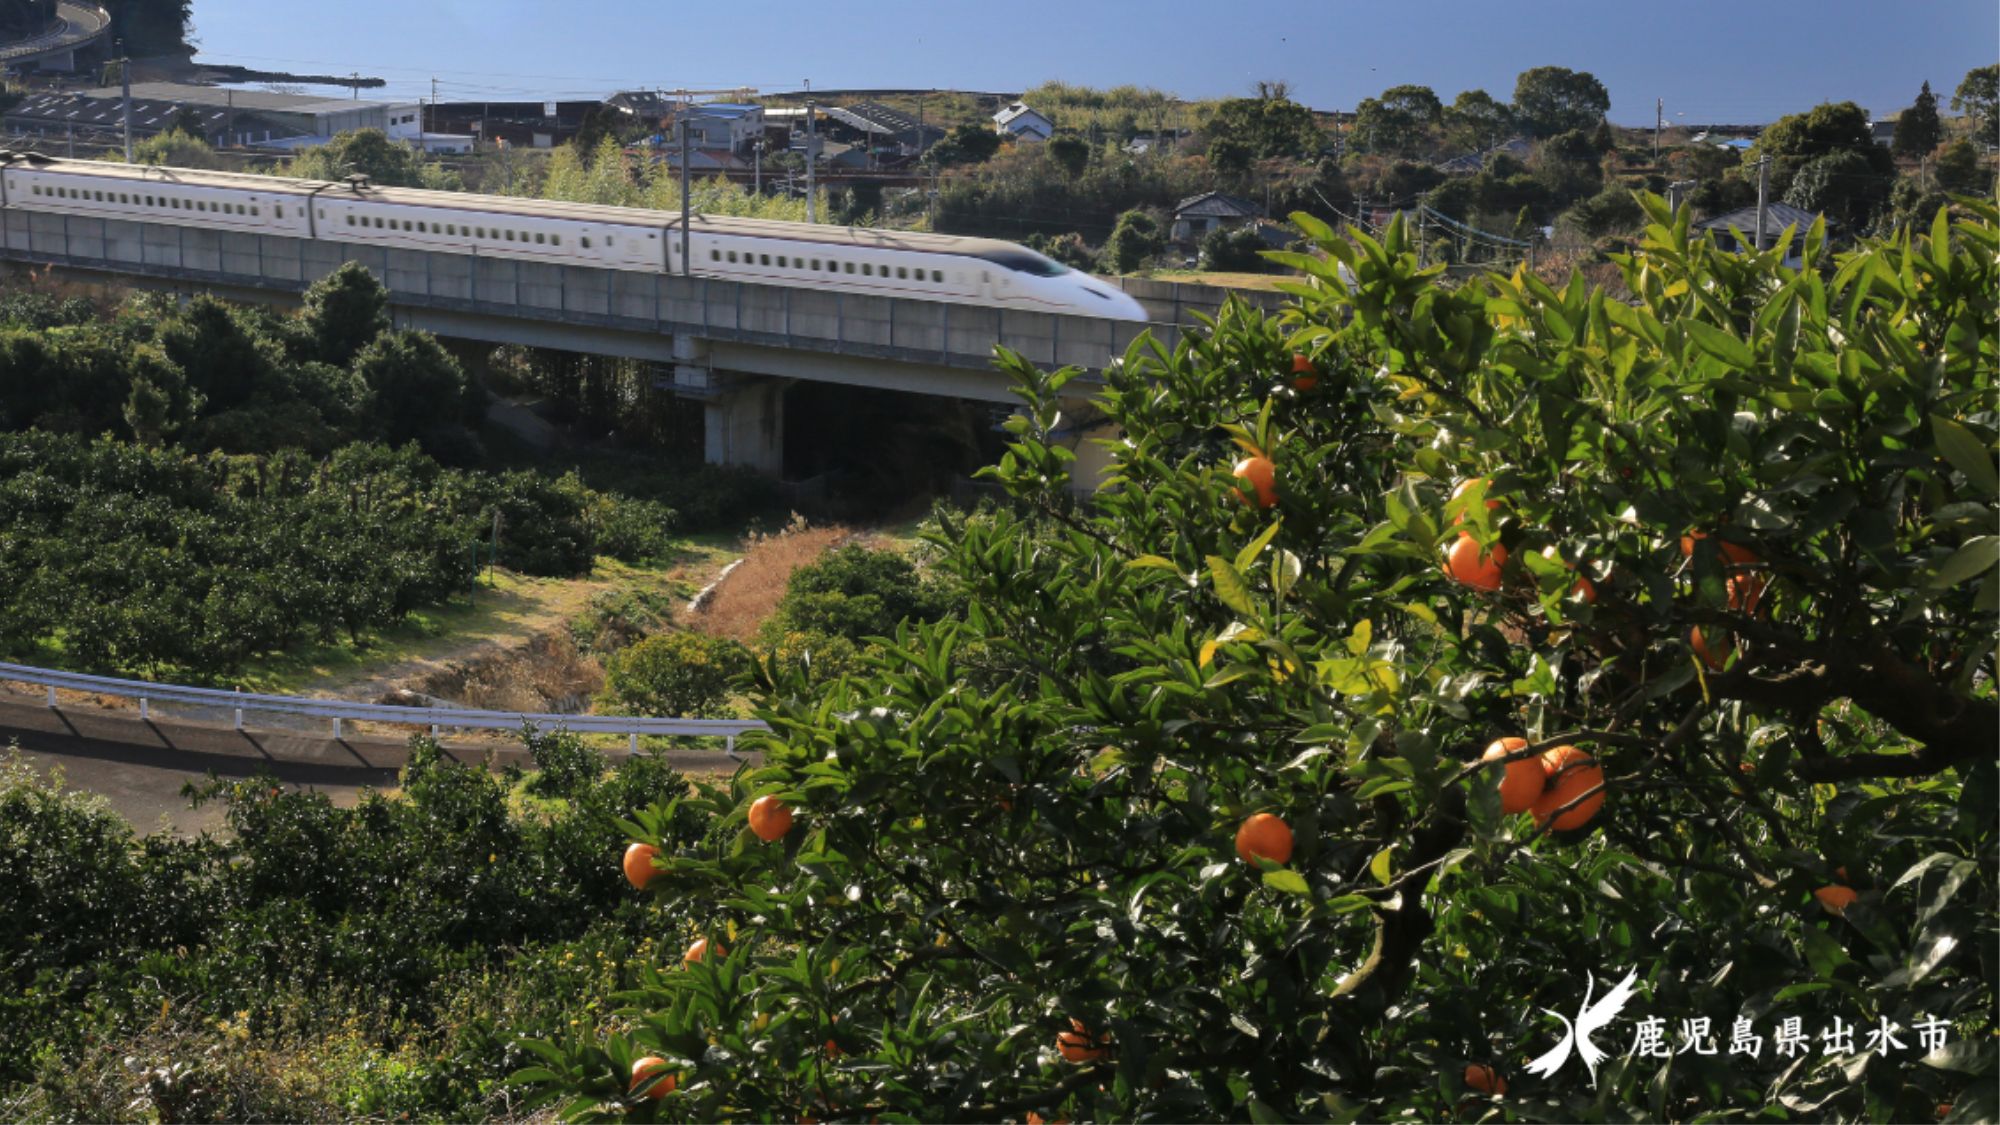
[1286, 880]
[1970, 561]
[1379, 866]
[1256, 546]
[1153, 562]
[1823, 952]
[1721, 345]
[1967, 454]
[1230, 587]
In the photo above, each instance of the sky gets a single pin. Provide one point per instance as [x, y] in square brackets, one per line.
[1710, 61]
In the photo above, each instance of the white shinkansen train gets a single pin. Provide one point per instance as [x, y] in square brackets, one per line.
[879, 263]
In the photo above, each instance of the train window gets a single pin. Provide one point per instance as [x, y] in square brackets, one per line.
[555, 240]
[867, 269]
[254, 213]
[715, 255]
[201, 205]
[350, 220]
[850, 267]
[423, 227]
[610, 241]
[586, 242]
[903, 272]
[766, 259]
[732, 255]
[781, 261]
[937, 275]
[510, 236]
[539, 239]
[815, 263]
[277, 210]
[378, 222]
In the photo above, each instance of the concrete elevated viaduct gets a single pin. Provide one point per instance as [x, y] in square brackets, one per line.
[731, 345]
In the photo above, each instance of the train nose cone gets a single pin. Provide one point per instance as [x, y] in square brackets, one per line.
[1128, 307]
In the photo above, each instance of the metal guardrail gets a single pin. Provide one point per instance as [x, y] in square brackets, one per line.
[337, 710]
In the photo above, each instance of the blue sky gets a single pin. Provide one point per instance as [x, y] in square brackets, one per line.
[1712, 61]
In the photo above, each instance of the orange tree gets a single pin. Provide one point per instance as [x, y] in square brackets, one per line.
[1011, 884]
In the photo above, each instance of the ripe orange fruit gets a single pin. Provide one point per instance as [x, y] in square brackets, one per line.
[699, 952]
[639, 869]
[1483, 1078]
[1731, 552]
[1264, 836]
[1304, 375]
[1836, 898]
[1079, 1045]
[1522, 781]
[1571, 774]
[1716, 655]
[645, 1068]
[1745, 592]
[1468, 566]
[769, 818]
[1262, 476]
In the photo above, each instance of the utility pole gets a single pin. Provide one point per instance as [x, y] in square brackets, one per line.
[1763, 181]
[812, 146]
[687, 193]
[356, 84]
[1659, 119]
[757, 167]
[125, 80]
[228, 118]
[1674, 193]
[430, 119]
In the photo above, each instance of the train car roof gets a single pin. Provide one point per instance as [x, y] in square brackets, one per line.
[859, 237]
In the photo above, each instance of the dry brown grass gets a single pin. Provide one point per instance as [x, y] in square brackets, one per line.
[546, 674]
[751, 592]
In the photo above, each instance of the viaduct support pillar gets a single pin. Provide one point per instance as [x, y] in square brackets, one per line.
[745, 425]
[743, 416]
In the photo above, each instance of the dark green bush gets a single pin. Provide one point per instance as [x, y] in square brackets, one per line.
[676, 675]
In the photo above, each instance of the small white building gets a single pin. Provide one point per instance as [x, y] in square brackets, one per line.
[1023, 124]
[724, 126]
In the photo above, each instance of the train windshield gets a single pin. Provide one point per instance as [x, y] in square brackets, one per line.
[1025, 261]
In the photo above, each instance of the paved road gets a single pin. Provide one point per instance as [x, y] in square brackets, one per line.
[140, 765]
[76, 24]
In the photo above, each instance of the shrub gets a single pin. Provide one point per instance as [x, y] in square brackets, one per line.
[634, 531]
[856, 592]
[567, 767]
[614, 619]
[677, 675]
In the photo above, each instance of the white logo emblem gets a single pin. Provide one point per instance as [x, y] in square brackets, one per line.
[1589, 1018]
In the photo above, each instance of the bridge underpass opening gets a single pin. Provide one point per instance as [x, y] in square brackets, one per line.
[882, 451]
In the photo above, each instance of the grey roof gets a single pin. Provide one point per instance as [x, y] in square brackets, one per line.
[1777, 216]
[1215, 204]
[1018, 109]
[148, 115]
[185, 94]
